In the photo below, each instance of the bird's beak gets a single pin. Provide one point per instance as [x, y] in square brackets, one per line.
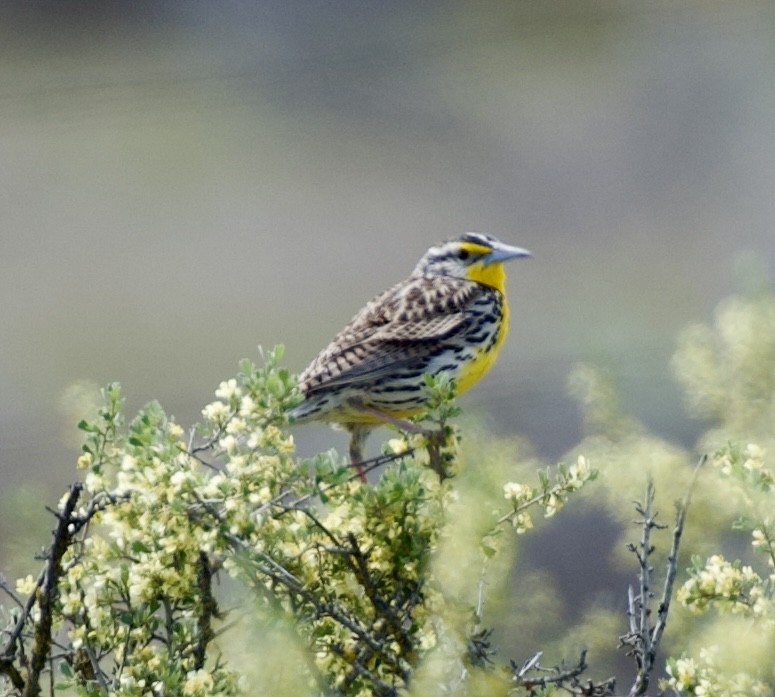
[503, 252]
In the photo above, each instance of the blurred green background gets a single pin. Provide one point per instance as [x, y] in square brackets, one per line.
[183, 181]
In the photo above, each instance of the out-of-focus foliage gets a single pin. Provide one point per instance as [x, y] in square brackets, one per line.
[727, 370]
[726, 588]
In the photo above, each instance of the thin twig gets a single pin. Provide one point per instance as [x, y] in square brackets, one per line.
[556, 489]
[95, 666]
[564, 678]
[366, 466]
[264, 565]
[672, 565]
[10, 593]
[384, 608]
[16, 632]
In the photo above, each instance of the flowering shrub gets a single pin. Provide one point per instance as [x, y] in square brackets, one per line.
[729, 374]
[688, 676]
[732, 587]
[186, 559]
[348, 564]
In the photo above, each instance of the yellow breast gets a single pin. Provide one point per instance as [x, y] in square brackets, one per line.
[493, 275]
[483, 359]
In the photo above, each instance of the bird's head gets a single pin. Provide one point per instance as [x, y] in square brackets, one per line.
[474, 256]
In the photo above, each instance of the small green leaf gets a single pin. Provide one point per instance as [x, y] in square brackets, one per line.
[489, 549]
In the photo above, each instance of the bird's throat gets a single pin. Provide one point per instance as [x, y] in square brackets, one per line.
[493, 275]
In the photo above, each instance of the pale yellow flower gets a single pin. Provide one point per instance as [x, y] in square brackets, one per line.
[516, 491]
[228, 389]
[217, 412]
[26, 585]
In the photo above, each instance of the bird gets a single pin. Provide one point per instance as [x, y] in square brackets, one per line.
[450, 316]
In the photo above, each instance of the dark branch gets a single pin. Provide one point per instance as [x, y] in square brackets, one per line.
[46, 594]
[209, 610]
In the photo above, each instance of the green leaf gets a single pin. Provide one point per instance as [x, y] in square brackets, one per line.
[138, 548]
[489, 550]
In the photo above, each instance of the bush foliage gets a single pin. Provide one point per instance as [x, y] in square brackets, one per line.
[218, 562]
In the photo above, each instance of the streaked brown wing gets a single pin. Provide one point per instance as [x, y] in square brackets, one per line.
[397, 329]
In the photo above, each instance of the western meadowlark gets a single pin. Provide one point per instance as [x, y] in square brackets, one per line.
[450, 316]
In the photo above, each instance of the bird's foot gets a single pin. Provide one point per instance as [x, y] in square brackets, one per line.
[435, 438]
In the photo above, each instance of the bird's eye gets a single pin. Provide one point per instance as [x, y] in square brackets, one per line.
[463, 254]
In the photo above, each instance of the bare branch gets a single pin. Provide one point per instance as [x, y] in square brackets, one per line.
[209, 610]
[672, 559]
[10, 646]
[567, 679]
[8, 669]
[644, 638]
[46, 594]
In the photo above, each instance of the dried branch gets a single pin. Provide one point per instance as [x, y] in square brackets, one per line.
[12, 656]
[209, 610]
[8, 669]
[46, 594]
[567, 679]
[13, 649]
[382, 606]
[644, 638]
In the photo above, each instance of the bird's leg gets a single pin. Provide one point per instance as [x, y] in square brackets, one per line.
[435, 438]
[401, 424]
[358, 435]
